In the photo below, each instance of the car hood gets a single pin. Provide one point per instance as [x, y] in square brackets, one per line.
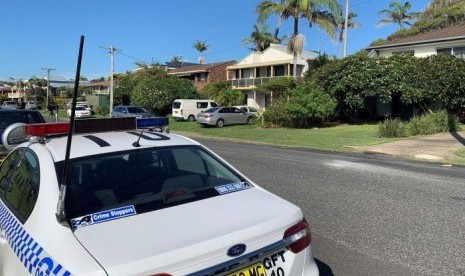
[189, 237]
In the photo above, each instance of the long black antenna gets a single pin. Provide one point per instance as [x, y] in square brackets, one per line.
[60, 214]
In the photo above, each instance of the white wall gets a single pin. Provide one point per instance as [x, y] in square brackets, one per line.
[422, 50]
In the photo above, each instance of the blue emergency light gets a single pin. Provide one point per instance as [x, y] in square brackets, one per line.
[153, 122]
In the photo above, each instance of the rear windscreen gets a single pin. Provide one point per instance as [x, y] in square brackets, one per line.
[146, 180]
[8, 118]
[176, 105]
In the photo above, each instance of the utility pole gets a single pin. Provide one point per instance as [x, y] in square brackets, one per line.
[346, 26]
[111, 50]
[48, 69]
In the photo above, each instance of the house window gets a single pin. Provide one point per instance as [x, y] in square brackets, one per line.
[455, 51]
[408, 52]
[444, 51]
[202, 77]
[279, 71]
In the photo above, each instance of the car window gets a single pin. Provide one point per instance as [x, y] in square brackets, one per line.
[224, 110]
[176, 105]
[213, 104]
[252, 109]
[244, 109]
[80, 108]
[235, 110]
[148, 179]
[202, 104]
[8, 118]
[136, 109]
[211, 110]
[19, 182]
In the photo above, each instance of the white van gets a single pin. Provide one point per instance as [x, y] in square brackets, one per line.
[187, 109]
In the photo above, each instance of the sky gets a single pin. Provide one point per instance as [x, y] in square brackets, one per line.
[46, 34]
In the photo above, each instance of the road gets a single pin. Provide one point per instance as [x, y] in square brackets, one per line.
[369, 215]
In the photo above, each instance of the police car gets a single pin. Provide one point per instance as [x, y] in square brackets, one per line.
[131, 200]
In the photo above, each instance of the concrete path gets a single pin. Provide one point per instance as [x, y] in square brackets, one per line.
[436, 147]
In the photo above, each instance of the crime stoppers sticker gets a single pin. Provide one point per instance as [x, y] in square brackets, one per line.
[103, 216]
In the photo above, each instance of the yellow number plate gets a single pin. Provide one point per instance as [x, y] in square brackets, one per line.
[252, 270]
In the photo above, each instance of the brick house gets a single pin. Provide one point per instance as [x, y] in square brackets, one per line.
[202, 74]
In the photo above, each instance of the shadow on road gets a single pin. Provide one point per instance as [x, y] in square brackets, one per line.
[458, 137]
[325, 270]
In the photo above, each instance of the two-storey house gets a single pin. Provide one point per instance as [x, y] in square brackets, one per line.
[260, 67]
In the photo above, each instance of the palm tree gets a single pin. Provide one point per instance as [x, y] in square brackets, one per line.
[351, 24]
[319, 12]
[260, 37]
[201, 46]
[397, 13]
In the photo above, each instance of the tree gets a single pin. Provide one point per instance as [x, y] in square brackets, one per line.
[397, 13]
[157, 94]
[319, 12]
[351, 24]
[261, 38]
[201, 46]
[221, 92]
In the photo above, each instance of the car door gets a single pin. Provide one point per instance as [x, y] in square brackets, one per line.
[19, 188]
[239, 116]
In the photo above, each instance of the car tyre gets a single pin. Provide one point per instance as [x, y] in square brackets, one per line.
[249, 120]
[220, 123]
[191, 118]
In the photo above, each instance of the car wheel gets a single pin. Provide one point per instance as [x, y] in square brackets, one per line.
[249, 120]
[191, 118]
[220, 123]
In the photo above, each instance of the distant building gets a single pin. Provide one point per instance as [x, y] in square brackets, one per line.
[260, 67]
[448, 40]
[202, 74]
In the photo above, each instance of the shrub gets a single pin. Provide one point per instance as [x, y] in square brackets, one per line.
[392, 128]
[431, 123]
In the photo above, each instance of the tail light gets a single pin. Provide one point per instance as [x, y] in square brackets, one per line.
[207, 115]
[298, 237]
[180, 112]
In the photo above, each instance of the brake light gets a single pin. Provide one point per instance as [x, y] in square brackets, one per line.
[207, 115]
[298, 237]
[180, 112]
[161, 274]
[46, 129]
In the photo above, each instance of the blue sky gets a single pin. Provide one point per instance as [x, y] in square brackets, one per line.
[39, 34]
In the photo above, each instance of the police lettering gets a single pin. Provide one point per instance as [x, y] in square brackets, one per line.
[270, 262]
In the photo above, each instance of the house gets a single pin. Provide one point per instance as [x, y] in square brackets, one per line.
[203, 74]
[260, 67]
[100, 88]
[448, 40]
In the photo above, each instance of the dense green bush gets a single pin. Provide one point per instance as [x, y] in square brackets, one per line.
[392, 128]
[426, 124]
[306, 106]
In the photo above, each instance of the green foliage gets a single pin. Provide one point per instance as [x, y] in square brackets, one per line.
[317, 63]
[158, 94]
[306, 106]
[221, 92]
[421, 81]
[104, 110]
[279, 86]
[392, 128]
[427, 124]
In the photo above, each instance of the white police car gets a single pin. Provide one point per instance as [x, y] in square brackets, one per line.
[140, 202]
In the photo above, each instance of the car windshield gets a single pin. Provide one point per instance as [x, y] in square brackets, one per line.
[136, 109]
[80, 108]
[149, 180]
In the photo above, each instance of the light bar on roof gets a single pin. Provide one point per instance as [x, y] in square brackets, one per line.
[153, 122]
[46, 129]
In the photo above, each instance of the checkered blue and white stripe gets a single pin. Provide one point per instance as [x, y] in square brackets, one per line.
[30, 253]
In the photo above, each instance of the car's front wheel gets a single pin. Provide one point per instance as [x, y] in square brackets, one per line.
[220, 123]
[249, 120]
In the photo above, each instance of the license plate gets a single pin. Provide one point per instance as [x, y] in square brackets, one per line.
[252, 270]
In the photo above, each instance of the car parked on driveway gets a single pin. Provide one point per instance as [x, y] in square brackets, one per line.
[9, 116]
[130, 111]
[31, 105]
[11, 104]
[221, 116]
[248, 109]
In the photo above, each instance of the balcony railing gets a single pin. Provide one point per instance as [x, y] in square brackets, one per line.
[250, 82]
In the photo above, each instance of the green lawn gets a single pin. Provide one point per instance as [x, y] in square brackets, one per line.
[330, 138]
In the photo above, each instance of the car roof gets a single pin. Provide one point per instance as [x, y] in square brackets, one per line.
[107, 142]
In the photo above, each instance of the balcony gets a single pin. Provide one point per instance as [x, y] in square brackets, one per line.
[250, 82]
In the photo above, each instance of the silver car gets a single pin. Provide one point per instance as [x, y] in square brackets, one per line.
[130, 111]
[221, 116]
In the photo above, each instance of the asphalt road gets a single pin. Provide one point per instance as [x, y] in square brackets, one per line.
[369, 215]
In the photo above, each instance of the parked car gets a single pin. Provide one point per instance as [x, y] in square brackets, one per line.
[248, 109]
[129, 210]
[9, 116]
[221, 116]
[31, 105]
[130, 111]
[11, 104]
[80, 112]
[187, 109]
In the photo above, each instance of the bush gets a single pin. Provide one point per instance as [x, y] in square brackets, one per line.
[104, 110]
[431, 123]
[392, 128]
